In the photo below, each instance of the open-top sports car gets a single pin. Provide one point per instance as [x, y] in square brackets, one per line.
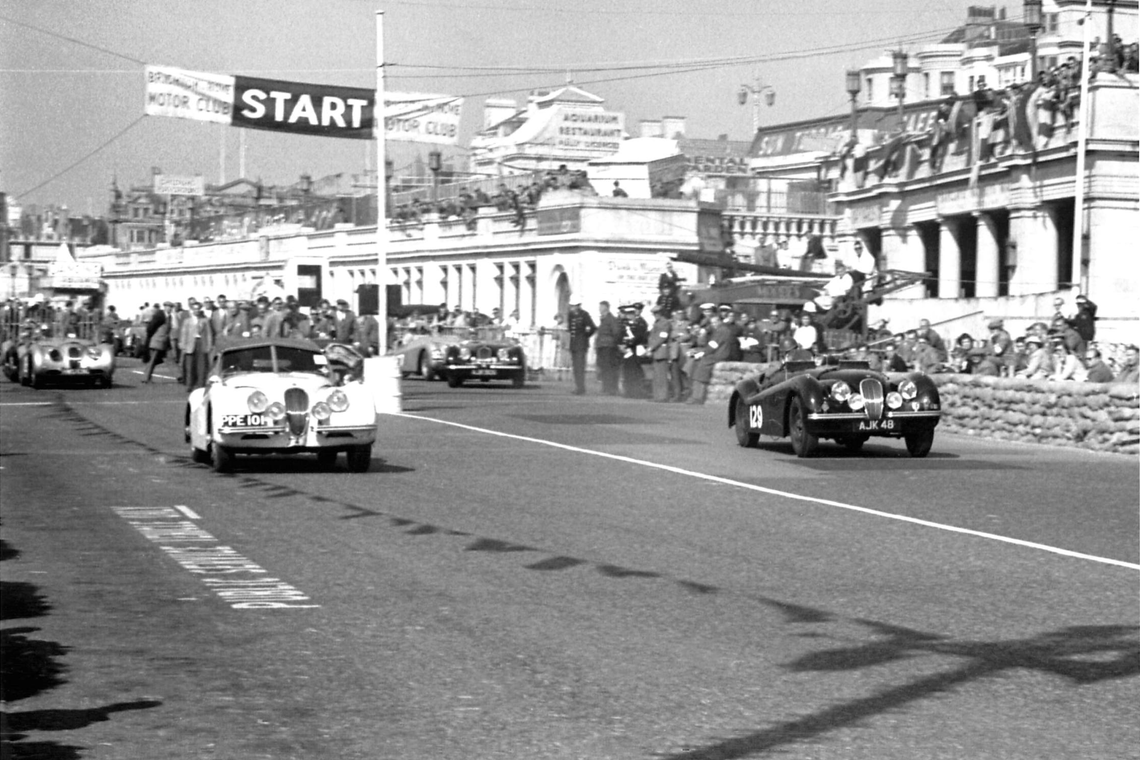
[484, 360]
[423, 354]
[282, 396]
[847, 402]
[36, 360]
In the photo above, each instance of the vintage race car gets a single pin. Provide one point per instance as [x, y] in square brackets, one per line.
[423, 354]
[484, 361]
[36, 361]
[282, 396]
[846, 402]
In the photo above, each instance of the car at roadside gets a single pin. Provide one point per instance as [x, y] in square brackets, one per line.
[484, 360]
[282, 396]
[844, 401]
[36, 360]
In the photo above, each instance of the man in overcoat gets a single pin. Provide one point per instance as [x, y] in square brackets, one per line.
[580, 327]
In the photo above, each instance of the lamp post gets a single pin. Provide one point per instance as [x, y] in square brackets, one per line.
[435, 164]
[756, 90]
[854, 86]
[898, 81]
[1032, 11]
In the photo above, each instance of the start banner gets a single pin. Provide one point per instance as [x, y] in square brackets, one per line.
[189, 94]
[308, 109]
[420, 117]
[299, 107]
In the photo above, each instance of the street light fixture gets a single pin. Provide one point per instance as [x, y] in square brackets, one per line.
[435, 164]
[1033, 22]
[898, 80]
[854, 86]
[756, 90]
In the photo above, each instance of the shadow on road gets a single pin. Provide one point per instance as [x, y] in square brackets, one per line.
[29, 667]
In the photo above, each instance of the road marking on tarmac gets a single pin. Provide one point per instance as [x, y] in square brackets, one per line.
[198, 552]
[784, 494]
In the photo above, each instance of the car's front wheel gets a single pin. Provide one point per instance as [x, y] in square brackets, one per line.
[359, 458]
[744, 436]
[918, 443]
[221, 457]
[425, 367]
[803, 442]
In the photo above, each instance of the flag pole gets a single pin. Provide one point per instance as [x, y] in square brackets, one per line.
[381, 192]
[1083, 114]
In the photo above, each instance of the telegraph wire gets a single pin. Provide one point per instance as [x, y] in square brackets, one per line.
[73, 40]
[88, 155]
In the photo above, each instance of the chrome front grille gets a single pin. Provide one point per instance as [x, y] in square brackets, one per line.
[872, 392]
[484, 353]
[297, 410]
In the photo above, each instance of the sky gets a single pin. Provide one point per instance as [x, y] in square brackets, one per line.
[71, 72]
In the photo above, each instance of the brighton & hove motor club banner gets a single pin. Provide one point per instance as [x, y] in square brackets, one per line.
[300, 107]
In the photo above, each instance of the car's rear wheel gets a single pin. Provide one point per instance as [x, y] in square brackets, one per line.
[744, 436]
[359, 458]
[919, 442]
[326, 458]
[221, 457]
[803, 442]
[25, 371]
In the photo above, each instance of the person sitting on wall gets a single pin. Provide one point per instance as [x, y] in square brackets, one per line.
[618, 191]
[1040, 365]
[837, 287]
[1096, 371]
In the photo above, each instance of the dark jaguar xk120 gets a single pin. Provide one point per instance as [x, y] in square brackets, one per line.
[846, 401]
[484, 361]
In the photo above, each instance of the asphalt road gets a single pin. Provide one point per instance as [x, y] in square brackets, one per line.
[530, 574]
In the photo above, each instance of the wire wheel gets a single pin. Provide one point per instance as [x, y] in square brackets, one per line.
[803, 442]
[744, 436]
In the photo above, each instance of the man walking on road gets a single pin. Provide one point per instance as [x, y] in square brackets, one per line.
[580, 325]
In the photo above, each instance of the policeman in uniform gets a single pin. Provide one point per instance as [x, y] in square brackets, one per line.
[580, 326]
[635, 335]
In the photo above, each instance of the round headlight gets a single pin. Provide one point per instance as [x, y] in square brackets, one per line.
[504, 355]
[437, 353]
[465, 353]
[856, 402]
[841, 391]
[908, 389]
[321, 411]
[258, 402]
[894, 400]
[338, 401]
[276, 411]
[94, 352]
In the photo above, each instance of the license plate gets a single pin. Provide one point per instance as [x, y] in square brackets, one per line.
[877, 425]
[244, 420]
[75, 372]
[484, 372]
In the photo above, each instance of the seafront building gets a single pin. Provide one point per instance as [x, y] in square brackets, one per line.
[979, 193]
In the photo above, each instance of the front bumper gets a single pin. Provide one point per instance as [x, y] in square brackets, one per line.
[278, 438]
[476, 371]
[892, 423]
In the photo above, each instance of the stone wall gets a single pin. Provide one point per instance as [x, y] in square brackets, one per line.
[1101, 417]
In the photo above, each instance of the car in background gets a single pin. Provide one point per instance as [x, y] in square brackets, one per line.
[423, 354]
[844, 401]
[36, 359]
[484, 360]
[282, 396]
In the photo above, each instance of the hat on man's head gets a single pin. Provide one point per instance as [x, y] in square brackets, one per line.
[167, 303]
[341, 302]
[724, 307]
[1033, 340]
[575, 303]
[709, 306]
[810, 307]
[995, 324]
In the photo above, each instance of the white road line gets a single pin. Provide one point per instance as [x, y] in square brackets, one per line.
[784, 494]
[190, 514]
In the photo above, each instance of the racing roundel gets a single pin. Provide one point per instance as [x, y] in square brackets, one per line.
[755, 416]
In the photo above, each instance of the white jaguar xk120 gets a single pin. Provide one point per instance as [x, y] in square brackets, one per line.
[282, 396]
